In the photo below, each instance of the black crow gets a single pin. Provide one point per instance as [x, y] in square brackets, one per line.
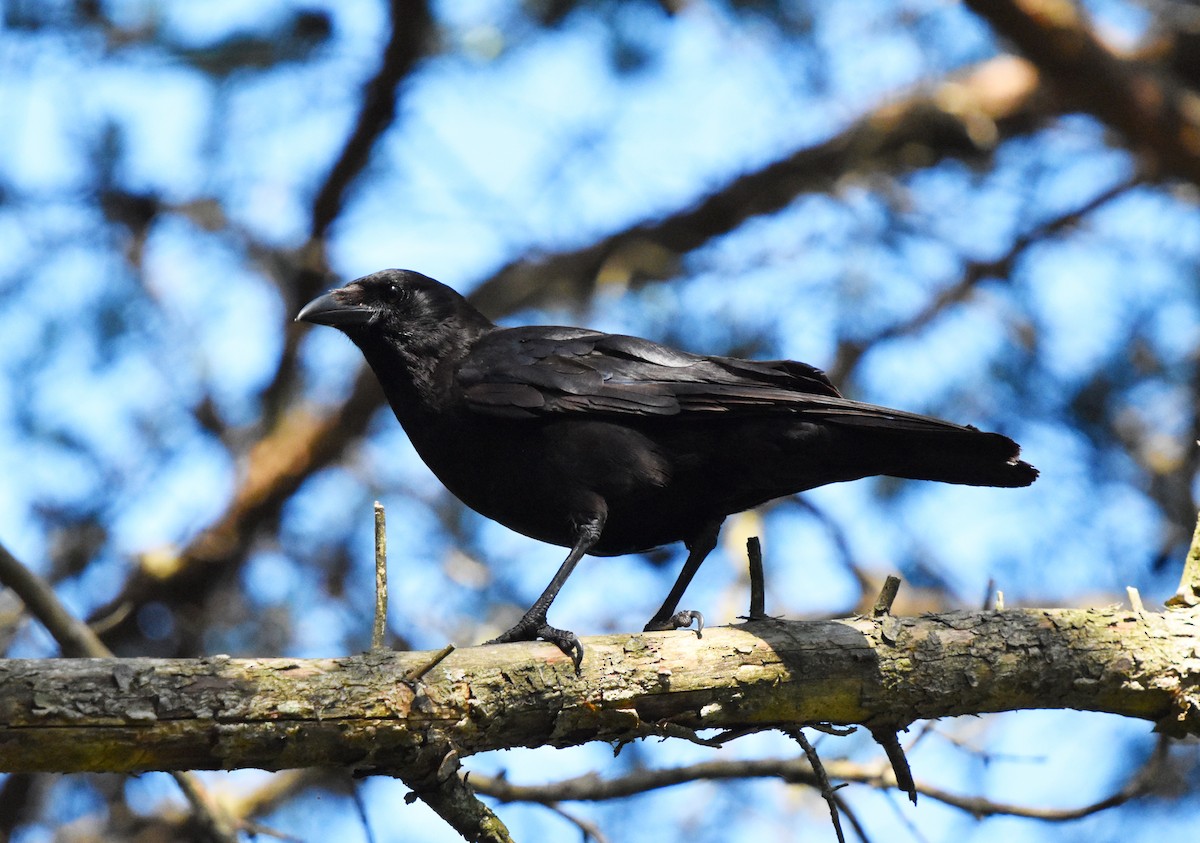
[611, 444]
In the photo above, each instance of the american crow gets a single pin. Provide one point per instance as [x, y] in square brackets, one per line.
[611, 444]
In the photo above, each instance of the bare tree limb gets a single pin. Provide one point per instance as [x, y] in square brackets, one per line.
[412, 27]
[140, 714]
[74, 637]
[593, 788]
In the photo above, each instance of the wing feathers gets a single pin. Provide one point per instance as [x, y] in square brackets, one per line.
[526, 372]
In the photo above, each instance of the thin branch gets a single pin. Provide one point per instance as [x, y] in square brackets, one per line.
[828, 791]
[758, 599]
[1188, 592]
[590, 830]
[379, 628]
[890, 741]
[975, 272]
[887, 596]
[436, 782]
[416, 674]
[74, 637]
[412, 27]
[965, 117]
[592, 788]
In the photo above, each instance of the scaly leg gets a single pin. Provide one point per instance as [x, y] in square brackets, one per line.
[533, 625]
[698, 548]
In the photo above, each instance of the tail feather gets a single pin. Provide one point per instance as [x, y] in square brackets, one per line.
[917, 447]
[961, 455]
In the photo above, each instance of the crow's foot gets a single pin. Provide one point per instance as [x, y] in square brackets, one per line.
[679, 620]
[533, 628]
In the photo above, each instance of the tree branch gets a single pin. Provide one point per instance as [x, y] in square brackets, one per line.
[357, 712]
[1158, 118]
[593, 788]
[964, 117]
[1188, 592]
[412, 26]
[75, 638]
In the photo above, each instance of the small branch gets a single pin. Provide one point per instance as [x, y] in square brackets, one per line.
[828, 792]
[974, 273]
[213, 819]
[887, 596]
[74, 636]
[379, 630]
[411, 27]
[435, 780]
[989, 594]
[1135, 600]
[890, 741]
[1188, 593]
[592, 788]
[590, 830]
[758, 599]
[419, 671]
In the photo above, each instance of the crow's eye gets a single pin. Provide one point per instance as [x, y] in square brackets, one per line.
[394, 290]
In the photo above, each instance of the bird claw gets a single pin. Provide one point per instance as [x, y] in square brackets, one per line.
[531, 629]
[679, 620]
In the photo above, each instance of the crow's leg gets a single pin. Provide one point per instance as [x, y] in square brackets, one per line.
[533, 625]
[698, 548]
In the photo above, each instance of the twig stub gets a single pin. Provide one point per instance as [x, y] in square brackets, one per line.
[379, 629]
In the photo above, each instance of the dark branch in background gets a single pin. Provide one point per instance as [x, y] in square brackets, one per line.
[412, 27]
[1157, 117]
[962, 118]
[434, 779]
[828, 791]
[273, 470]
[379, 626]
[592, 788]
[302, 275]
[850, 351]
[76, 639]
[297, 444]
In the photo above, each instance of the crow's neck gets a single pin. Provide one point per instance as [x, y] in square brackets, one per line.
[418, 378]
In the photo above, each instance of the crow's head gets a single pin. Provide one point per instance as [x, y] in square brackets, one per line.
[396, 306]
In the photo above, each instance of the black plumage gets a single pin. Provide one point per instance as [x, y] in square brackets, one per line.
[611, 444]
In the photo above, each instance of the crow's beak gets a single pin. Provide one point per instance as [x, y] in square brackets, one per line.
[330, 310]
